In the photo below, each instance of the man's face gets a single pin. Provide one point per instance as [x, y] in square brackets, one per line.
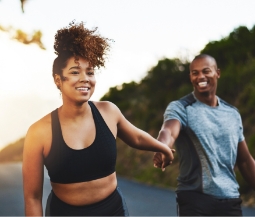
[204, 75]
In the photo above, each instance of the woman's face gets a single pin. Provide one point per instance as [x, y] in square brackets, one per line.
[78, 81]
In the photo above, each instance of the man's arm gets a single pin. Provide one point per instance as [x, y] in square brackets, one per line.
[169, 132]
[167, 135]
[246, 164]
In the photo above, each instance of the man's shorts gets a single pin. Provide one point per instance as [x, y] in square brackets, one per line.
[191, 203]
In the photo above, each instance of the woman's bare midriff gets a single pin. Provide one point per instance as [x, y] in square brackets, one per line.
[85, 193]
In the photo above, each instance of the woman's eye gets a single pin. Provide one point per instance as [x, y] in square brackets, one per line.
[74, 72]
[90, 73]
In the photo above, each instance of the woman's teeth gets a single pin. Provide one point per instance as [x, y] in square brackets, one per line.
[82, 88]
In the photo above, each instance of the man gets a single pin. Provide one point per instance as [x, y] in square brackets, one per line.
[208, 135]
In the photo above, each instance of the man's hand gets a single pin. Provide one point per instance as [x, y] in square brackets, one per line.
[161, 161]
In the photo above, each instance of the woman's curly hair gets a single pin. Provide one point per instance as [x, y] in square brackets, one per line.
[75, 40]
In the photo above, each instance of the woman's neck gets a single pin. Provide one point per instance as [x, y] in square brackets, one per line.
[72, 111]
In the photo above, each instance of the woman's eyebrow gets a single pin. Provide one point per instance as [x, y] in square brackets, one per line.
[75, 67]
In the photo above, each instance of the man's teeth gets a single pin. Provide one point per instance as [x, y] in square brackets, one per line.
[83, 88]
[202, 84]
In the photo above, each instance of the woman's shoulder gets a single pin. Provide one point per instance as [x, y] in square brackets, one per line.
[105, 106]
[39, 134]
[41, 125]
[108, 110]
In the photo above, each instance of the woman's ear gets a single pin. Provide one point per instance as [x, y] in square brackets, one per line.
[57, 81]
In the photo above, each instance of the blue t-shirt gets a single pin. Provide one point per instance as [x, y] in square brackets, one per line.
[207, 146]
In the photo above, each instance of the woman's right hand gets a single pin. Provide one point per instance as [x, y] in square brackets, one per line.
[161, 160]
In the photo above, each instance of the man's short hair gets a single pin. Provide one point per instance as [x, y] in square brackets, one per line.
[201, 56]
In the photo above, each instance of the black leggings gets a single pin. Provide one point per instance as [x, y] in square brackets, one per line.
[191, 203]
[113, 205]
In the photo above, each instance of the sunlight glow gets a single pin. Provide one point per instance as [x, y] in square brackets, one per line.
[144, 32]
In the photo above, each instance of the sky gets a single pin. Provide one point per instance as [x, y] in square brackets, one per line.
[144, 32]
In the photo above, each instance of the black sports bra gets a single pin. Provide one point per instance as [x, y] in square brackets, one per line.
[67, 165]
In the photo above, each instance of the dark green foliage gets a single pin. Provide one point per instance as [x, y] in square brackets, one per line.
[236, 48]
[143, 104]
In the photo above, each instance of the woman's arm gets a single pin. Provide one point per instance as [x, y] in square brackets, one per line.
[32, 170]
[139, 139]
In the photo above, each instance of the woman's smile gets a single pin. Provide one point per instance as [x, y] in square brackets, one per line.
[83, 89]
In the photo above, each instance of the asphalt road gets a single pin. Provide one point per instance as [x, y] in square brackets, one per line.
[142, 200]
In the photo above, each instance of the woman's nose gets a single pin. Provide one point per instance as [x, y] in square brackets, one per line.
[83, 77]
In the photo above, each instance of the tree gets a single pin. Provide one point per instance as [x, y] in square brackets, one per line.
[22, 4]
[22, 36]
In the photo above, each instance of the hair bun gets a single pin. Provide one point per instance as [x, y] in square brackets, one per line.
[80, 41]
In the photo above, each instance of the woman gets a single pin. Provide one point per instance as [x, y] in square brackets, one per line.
[77, 142]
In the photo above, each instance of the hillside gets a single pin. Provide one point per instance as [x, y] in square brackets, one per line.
[12, 152]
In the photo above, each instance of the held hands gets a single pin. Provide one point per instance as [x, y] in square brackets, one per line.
[162, 161]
